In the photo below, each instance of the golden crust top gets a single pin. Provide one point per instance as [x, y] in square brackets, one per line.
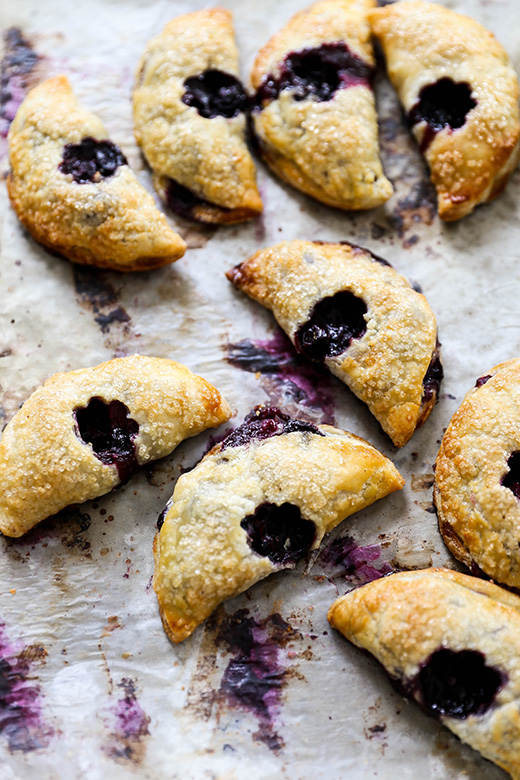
[202, 553]
[44, 464]
[208, 156]
[424, 42]
[112, 223]
[386, 367]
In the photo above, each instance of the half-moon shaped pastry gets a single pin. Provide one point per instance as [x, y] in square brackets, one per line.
[460, 94]
[190, 119]
[450, 642]
[342, 305]
[315, 118]
[73, 190]
[84, 432]
[256, 503]
[477, 476]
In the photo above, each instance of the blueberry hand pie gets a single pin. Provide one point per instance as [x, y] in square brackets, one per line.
[314, 117]
[84, 432]
[343, 306]
[477, 477]
[450, 642]
[190, 120]
[258, 502]
[72, 188]
[460, 94]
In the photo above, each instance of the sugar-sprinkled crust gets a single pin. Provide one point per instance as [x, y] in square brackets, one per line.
[425, 42]
[386, 367]
[479, 517]
[111, 223]
[202, 553]
[44, 464]
[404, 618]
[207, 156]
[328, 149]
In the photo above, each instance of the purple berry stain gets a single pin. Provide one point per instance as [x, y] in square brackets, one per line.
[254, 678]
[333, 323]
[264, 422]
[21, 721]
[215, 93]
[279, 532]
[512, 478]
[344, 558]
[482, 380]
[444, 104]
[185, 202]
[17, 75]
[109, 429]
[91, 160]
[433, 377]
[131, 725]
[288, 379]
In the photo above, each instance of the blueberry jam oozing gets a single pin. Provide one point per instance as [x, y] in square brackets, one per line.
[215, 93]
[433, 377]
[333, 323]
[91, 160]
[110, 431]
[482, 380]
[458, 683]
[279, 532]
[264, 422]
[316, 73]
[445, 103]
[512, 478]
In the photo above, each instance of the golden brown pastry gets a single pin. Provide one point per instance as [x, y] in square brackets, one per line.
[255, 504]
[450, 642]
[190, 119]
[74, 192]
[342, 305]
[314, 117]
[460, 93]
[477, 476]
[84, 432]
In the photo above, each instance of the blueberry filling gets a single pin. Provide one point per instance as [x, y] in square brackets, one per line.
[433, 377]
[445, 103]
[91, 160]
[512, 478]
[215, 93]
[264, 422]
[110, 431]
[482, 380]
[316, 73]
[279, 532]
[333, 323]
[184, 202]
[458, 683]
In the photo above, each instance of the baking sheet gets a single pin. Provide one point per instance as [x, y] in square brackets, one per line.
[91, 686]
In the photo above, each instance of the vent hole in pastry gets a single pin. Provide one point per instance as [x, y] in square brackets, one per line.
[334, 322]
[443, 104]
[458, 683]
[263, 423]
[512, 478]
[279, 533]
[316, 73]
[214, 93]
[110, 431]
[91, 160]
[433, 377]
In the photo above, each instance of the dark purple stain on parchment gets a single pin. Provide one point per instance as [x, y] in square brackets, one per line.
[95, 292]
[286, 377]
[343, 558]
[69, 527]
[17, 75]
[255, 676]
[131, 725]
[21, 721]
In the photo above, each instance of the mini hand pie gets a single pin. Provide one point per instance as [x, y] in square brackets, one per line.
[84, 432]
[450, 642]
[314, 117]
[341, 305]
[477, 476]
[74, 192]
[460, 93]
[190, 119]
[255, 504]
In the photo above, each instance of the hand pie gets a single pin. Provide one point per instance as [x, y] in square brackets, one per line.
[450, 642]
[84, 432]
[460, 93]
[477, 476]
[74, 192]
[256, 503]
[341, 305]
[314, 117]
[190, 120]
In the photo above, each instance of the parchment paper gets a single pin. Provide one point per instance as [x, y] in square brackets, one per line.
[91, 686]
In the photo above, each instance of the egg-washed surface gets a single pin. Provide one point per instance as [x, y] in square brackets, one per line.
[106, 694]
